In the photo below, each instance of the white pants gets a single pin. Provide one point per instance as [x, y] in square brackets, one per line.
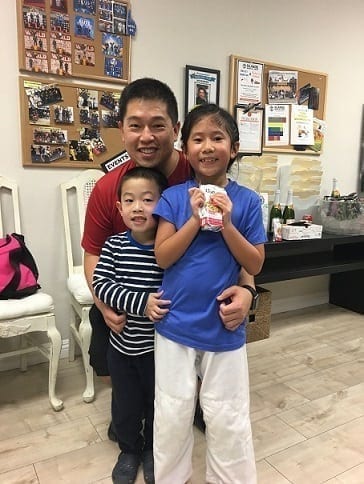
[224, 398]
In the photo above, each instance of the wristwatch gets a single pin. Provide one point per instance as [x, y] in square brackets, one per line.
[255, 295]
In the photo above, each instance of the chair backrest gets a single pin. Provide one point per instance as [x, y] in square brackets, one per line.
[9, 205]
[75, 195]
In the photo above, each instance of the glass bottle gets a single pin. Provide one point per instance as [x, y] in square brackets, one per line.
[334, 192]
[288, 212]
[275, 212]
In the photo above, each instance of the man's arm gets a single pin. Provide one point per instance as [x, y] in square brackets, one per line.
[127, 298]
[114, 321]
[236, 302]
[89, 264]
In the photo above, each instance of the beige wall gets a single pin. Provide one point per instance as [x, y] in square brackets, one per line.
[324, 36]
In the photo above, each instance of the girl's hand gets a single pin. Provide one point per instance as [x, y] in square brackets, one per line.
[223, 202]
[197, 199]
[155, 308]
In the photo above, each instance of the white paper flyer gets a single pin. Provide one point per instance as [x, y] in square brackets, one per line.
[249, 82]
[301, 125]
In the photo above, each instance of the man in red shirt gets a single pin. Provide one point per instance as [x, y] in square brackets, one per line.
[149, 129]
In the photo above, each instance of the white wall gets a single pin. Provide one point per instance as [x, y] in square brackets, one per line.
[325, 36]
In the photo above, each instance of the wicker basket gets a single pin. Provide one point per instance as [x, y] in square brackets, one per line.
[259, 320]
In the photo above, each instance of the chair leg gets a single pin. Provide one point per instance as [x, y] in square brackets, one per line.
[23, 357]
[85, 331]
[55, 352]
[71, 347]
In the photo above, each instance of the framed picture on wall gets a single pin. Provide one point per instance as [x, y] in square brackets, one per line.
[202, 86]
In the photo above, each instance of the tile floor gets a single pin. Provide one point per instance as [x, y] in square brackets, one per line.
[307, 410]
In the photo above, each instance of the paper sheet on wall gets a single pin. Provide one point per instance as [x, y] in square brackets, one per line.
[319, 130]
[301, 125]
[250, 131]
[276, 124]
[250, 82]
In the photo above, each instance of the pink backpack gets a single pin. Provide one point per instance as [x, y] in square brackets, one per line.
[18, 270]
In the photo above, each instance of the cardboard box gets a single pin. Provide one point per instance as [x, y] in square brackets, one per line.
[301, 232]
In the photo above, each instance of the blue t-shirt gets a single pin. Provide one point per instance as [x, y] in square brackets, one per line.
[205, 270]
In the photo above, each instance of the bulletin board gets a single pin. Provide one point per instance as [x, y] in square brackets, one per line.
[75, 38]
[68, 125]
[309, 89]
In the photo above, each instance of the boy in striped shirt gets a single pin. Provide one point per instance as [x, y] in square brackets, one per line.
[127, 278]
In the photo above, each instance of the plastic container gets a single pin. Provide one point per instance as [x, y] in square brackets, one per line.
[344, 217]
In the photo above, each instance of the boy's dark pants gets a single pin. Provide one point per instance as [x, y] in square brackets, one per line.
[132, 379]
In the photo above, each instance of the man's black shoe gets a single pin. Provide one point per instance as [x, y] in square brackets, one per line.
[111, 433]
[126, 469]
[148, 466]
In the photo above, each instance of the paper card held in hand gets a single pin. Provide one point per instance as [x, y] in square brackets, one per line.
[210, 214]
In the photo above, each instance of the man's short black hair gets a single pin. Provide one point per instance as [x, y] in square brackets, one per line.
[149, 89]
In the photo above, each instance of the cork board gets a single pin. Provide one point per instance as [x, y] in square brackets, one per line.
[75, 38]
[307, 82]
[66, 125]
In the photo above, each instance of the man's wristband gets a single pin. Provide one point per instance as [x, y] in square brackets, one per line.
[254, 294]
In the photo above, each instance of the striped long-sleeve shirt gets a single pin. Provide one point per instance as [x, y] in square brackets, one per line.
[125, 275]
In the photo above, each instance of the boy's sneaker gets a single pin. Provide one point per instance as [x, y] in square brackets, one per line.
[126, 469]
[111, 433]
[148, 466]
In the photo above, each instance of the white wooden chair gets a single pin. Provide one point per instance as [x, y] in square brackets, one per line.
[21, 318]
[75, 195]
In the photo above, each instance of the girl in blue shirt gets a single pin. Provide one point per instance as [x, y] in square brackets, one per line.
[191, 339]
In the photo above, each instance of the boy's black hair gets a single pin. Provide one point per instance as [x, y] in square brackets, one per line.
[222, 117]
[149, 89]
[147, 173]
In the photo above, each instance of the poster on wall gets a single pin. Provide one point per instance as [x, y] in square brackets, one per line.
[302, 125]
[250, 124]
[250, 81]
[276, 125]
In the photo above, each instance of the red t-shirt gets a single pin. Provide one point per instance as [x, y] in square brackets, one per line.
[102, 217]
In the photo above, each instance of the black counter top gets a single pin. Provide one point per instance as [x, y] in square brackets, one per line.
[293, 259]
